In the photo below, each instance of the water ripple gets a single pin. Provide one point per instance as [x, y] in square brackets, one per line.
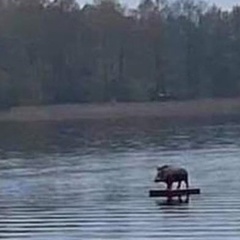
[100, 190]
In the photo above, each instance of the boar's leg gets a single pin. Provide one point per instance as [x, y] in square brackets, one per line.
[186, 182]
[179, 184]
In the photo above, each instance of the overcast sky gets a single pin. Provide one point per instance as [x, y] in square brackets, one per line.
[223, 3]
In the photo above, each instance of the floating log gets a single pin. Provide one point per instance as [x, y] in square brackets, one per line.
[173, 193]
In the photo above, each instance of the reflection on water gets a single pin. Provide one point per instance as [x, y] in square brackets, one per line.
[90, 180]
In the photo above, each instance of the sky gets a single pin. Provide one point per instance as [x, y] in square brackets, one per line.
[226, 4]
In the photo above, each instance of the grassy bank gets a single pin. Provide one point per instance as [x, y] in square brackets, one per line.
[195, 108]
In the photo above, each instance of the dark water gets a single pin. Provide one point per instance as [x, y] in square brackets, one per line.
[90, 180]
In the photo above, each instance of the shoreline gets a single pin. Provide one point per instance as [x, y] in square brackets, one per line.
[179, 109]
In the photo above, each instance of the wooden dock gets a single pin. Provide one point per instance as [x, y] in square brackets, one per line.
[173, 193]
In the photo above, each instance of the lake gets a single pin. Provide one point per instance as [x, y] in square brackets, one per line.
[90, 179]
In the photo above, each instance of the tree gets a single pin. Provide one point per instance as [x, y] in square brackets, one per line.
[56, 52]
[65, 5]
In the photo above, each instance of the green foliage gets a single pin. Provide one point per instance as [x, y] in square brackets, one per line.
[56, 52]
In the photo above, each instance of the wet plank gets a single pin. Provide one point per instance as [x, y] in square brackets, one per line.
[173, 193]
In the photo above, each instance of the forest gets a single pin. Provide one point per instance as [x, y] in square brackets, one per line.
[55, 52]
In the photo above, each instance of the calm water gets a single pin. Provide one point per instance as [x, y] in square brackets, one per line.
[90, 180]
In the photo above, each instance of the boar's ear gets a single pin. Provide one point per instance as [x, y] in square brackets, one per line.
[160, 168]
[163, 167]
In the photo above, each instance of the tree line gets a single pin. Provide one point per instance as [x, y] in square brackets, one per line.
[55, 52]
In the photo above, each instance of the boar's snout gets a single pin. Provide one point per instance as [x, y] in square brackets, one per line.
[157, 179]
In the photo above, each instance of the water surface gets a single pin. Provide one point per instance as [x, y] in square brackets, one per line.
[90, 180]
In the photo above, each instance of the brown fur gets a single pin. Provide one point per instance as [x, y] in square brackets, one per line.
[170, 174]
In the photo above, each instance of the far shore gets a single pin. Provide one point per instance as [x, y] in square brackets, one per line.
[171, 109]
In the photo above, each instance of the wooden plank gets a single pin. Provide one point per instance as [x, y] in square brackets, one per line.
[173, 193]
